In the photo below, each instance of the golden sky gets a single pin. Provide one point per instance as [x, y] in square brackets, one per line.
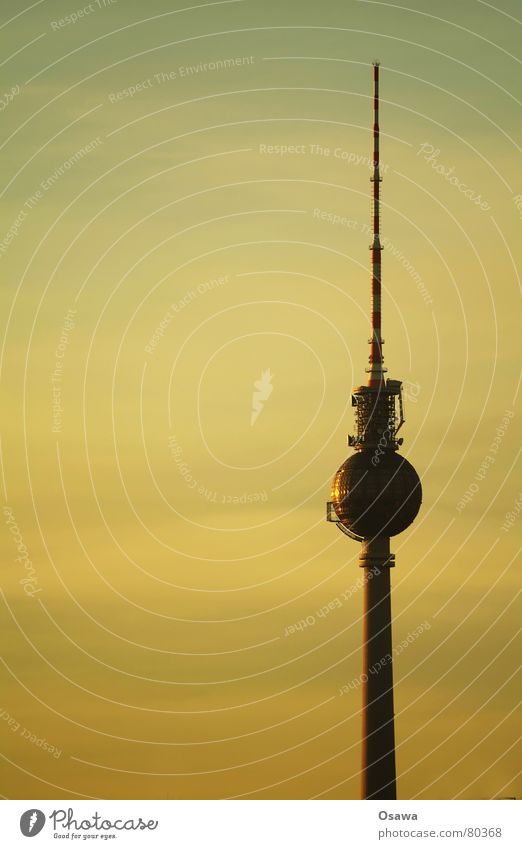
[184, 207]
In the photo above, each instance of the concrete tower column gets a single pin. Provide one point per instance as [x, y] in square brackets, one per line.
[378, 778]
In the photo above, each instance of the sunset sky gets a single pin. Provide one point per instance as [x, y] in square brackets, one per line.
[184, 213]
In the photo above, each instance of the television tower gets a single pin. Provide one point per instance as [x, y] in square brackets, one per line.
[376, 494]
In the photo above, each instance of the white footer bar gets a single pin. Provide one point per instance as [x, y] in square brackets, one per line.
[260, 824]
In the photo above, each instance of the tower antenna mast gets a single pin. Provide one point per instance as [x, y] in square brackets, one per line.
[376, 369]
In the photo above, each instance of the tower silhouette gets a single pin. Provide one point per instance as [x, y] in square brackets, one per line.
[376, 494]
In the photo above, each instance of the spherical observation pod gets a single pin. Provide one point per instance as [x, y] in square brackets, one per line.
[376, 494]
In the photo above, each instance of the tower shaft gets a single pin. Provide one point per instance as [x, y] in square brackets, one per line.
[378, 777]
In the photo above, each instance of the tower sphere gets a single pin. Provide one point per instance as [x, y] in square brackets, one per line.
[376, 495]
